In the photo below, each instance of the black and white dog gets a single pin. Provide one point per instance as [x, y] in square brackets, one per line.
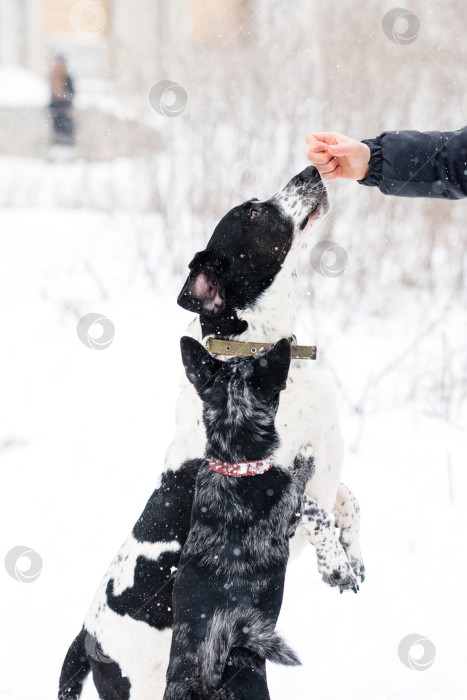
[229, 585]
[243, 287]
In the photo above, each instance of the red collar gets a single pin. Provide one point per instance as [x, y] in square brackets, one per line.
[252, 468]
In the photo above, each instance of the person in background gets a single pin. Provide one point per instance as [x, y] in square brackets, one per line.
[62, 90]
[400, 163]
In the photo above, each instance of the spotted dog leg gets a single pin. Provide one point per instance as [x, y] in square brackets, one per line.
[333, 564]
[347, 515]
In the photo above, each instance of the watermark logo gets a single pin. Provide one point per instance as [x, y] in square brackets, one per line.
[14, 564]
[168, 98]
[94, 650]
[249, 179]
[413, 661]
[401, 26]
[88, 17]
[96, 331]
[328, 258]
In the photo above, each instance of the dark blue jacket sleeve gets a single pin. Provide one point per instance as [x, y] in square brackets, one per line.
[416, 164]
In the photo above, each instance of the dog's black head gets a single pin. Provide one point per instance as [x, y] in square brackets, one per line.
[248, 248]
[240, 398]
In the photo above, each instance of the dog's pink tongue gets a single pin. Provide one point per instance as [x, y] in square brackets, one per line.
[204, 289]
[202, 286]
[213, 304]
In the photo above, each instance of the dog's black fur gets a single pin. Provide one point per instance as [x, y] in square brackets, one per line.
[229, 586]
[165, 518]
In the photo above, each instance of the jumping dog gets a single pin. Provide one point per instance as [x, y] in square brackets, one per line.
[229, 585]
[242, 287]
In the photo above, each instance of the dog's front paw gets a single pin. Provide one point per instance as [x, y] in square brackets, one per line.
[306, 452]
[339, 573]
[358, 567]
[355, 559]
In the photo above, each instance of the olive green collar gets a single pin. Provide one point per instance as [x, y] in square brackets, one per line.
[218, 346]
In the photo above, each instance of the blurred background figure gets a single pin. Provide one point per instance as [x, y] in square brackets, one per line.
[61, 105]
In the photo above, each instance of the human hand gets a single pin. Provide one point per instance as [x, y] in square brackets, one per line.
[335, 155]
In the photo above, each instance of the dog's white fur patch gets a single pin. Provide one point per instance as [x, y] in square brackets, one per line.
[142, 651]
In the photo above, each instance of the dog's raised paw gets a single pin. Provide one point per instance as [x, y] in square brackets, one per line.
[358, 567]
[341, 576]
[307, 452]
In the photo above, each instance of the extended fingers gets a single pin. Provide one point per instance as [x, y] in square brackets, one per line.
[324, 163]
[328, 167]
[324, 137]
[337, 172]
[318, 150]
[319, 157]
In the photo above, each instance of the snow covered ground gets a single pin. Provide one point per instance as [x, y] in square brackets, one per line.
[84, 434]
[19, 87]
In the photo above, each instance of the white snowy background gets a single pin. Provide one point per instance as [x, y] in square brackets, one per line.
[84, 432]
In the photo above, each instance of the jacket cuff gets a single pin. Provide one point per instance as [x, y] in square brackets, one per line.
[373, 176]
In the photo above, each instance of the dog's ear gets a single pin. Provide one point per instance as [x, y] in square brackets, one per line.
[199, 365]
[272, 368]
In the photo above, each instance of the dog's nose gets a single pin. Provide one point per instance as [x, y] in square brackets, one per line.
[309, 174]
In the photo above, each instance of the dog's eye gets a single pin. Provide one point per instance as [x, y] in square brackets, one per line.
[254, 213]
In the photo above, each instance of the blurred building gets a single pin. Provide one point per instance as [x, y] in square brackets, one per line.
[102, 39]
